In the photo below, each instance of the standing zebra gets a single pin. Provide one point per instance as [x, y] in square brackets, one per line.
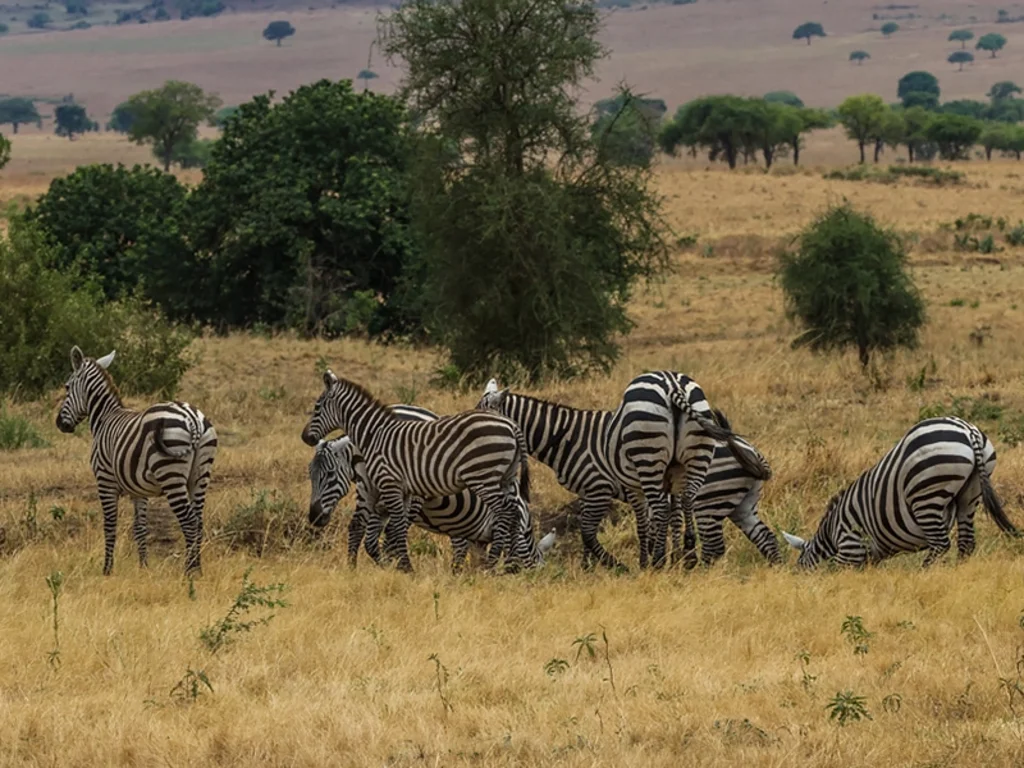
[908, 501]
[574, 443]
[165, 450]
[663, 434]
[472, 450]
[462, 516]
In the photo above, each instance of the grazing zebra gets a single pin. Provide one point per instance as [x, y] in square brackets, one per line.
[908, 501]
[728, 492]
[472, 450]
[574, 443]
[165, 450]
[336, 464]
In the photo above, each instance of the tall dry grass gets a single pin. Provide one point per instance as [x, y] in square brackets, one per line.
[734, 665]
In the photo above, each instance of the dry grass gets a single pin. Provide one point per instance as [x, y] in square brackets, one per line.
[705, 665]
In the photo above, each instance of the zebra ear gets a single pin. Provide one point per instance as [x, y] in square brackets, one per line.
[492, 387]
[329, 378]
[76, 358]
[106, 360]
[794, 541]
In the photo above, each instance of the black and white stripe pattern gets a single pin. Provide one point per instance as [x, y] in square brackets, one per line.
[574, 443]
[166, 450]
[909, 501]
[336, 465]
[664, 435]
[478, 451]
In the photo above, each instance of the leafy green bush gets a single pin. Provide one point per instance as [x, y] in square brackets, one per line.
[194, 154]
[847, 286]
[46, 311]
[121, 227]
[17, 432]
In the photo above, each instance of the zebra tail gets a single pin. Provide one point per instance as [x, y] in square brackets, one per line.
[524, 464]
[989, 498]
[753, 464]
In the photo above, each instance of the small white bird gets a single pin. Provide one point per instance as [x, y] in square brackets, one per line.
[545, 544]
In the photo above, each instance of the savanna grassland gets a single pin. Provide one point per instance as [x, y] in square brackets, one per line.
[732, 665]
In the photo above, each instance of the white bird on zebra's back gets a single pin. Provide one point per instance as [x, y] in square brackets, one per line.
[546, 543]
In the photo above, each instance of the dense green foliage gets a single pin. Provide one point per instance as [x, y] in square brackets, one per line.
[961, 58]
[807, 30]
[961, 36]
[919, 89]
[847, 285]
[277, 31]
[169, 117]
[46, 311]
[626, 130]
[889, 28]
[38, 20]
[527, 265]
[954, 135]
[993, 42]
[71, 119]
[859, 56]
[5, 151]
[301, 217]
[16, 111]
[122, 118]
[122, 228]
[784, 97]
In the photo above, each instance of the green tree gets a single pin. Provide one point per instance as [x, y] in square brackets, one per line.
[807, 30]
[76, 8]
[5, 152]
[1004, 89]
[993, 42]
[121, 227]
[810, 120]
[954, 135]
[16, 111]
[122, 118]
[784, 97]
[859, 56]
[962, 36]
[961, 58]
[529, 264]
[223, 115]
[966, 107]
[195, 154]
[722, 125]
[863, 117]
[995, 136]
[1006, 110]
[847, 285]
[169, 117]
[302, 216]
[71, 119]
[278, 31]
[918, 89]
[38, 20]
[366, 75]
[1015, 140]
[626, 130]
[915, 131]
[46, 311]
[4, 29]
[889, 28]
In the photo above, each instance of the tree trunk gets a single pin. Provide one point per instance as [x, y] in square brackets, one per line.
[860, 144]
[796, 151]
[878, 149]
[910, 151]
[167, 159]
[15, 128]
[730, 155]
[961, 66]
[768, 154]
[808, 39]
[279, 42]
[865, 355]
[988, 153]
[1017, 152]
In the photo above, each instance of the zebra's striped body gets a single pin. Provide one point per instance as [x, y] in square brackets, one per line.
[481, 452]
[933, 477]
[166, 450]
[462, 517]
[574, 443]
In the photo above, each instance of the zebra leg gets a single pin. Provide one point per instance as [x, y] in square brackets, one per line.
[643, 533]
[744, 516]
[658, 503]
[504, 512]
[460, 548]
[190, 522]
[395, 501]
[374, 525]
[141, 530]
[356, 531]
[594, 510]
[199, 481]
[108, 500]
[934, 525]
[712, 539]
[966, 504]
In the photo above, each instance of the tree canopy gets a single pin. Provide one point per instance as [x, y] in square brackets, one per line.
[992, 42]
[863, 117]
[1004, 89]
[71, 119]
[278, 31]
[807, 30]
[961, 36]
[5, 151]
[170, 116]
[889, 28]
[122, 118]
[528, 263]
[784, 97]
[859, 56]
[961, 58]
[918, 88]
[16, 111]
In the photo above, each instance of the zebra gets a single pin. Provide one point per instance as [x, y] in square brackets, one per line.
[166, 450]
[663, 435]
[728, 492]
[908, 501]
[472, 450]
[573, 442]
[462, 517]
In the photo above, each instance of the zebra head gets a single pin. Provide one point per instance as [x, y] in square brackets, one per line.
[821, 546]
[493, 398]
[86, 374]
[326, 412]
[330, 477]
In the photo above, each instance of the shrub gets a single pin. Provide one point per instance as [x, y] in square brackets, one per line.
[38, 20]
[847, 286]
[45, 312]
[17, 432]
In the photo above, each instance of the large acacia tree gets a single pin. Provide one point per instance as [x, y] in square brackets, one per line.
[532, 237]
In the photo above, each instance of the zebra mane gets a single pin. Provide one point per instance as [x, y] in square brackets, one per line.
[109, 380]
[553, 404]
[370, 398]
